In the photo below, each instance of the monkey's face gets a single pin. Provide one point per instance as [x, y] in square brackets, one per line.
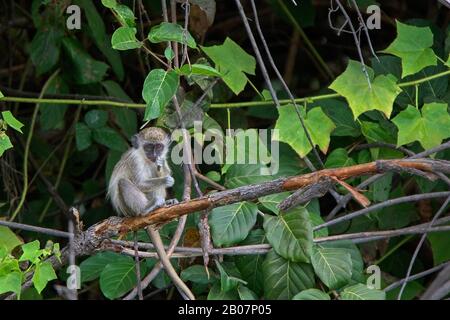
[153, 151]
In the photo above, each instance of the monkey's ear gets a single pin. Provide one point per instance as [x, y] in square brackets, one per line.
[135, 141]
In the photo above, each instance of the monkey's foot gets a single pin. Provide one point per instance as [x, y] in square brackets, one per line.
[171, 202]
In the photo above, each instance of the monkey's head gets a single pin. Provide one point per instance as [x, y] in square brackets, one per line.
[153, 141]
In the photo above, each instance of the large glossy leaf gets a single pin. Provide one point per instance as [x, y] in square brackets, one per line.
[353, 85]
[429, 126]
[332, 265]
[166, 31]
[229, 277]
[231, 224]
[119, 277]
[311, 294]
[159, 87]
[92, 267]
[217, 294]
[244, 174]
[197, 274]
[317, 123]
[250, 266]
[290, 234]
[284, 278]
[362, 292]
[273, 200]
[413, 45]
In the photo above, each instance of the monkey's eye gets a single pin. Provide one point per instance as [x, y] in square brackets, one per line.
[159, 147]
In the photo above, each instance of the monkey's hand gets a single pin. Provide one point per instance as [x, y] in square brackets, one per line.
[159, 162]
[169, 181]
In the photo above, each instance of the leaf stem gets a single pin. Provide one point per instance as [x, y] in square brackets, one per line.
[310, 99]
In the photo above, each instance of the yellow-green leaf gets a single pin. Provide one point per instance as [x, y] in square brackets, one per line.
[413, 46]
[429, 126]
[352, 84]
[290, 130]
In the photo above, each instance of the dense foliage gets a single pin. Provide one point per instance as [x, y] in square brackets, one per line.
[71, 98]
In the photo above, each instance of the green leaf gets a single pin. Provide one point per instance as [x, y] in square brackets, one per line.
[413, 45]
[244, 174]
[84, 69]
[273, 200]
[96, 29]
[51, 114]
[1, 95]
[169, 54]
[96, 119]
[341, 115]
[166, 31]
[228, 281]
[311, 294]
[124, 38]
[125, 15]
[291, 131]
[199, 69]
[439, 245]
[92, 267]
[43, 273]
[31, 251]
[233, 63]
[12, 121]
[216, 293]
[355, 255]
[290, 234]
[45, 48]
[82, 136]
[362, 292]
[339, 158]
[124, 117]
[8, 239]
[109, 3]
[429, 126]
[332, 265]
[119, 277]
[197, 274]
[159, 87]
[110, 138]
[231, 224]
[352, 84]
[250, 266]
[11, 282]
[5, 143]
[246, 294]
[284, 278]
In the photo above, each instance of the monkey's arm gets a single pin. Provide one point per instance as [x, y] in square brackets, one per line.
[171, 272]
[151, 184]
